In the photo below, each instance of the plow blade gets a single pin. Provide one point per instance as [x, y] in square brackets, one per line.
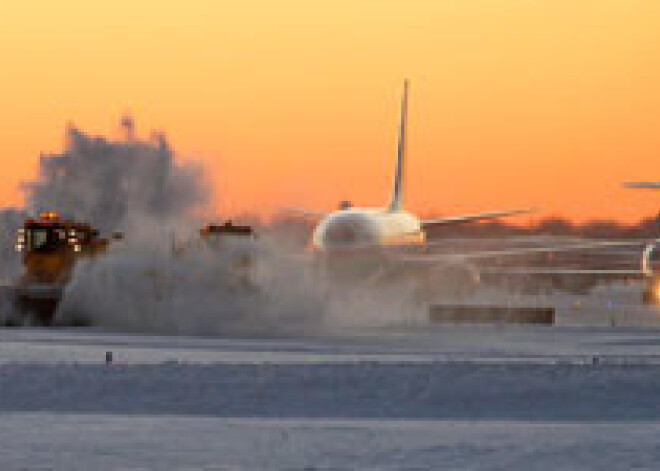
[32, 304]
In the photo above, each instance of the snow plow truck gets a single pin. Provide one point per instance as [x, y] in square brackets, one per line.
[50, 248]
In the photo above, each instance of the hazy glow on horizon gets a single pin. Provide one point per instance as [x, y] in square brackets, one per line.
[514, 103]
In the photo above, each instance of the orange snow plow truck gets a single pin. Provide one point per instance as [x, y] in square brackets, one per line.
[50, 249]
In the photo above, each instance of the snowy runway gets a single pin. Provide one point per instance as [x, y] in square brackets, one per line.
[82, 442]
[409, 398]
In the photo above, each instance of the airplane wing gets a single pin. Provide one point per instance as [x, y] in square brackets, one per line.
[643, 185]
[475, 217]
[486, 254]
[522, 241]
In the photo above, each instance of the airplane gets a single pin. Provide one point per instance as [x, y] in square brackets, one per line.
[381, 233]
[351, 228]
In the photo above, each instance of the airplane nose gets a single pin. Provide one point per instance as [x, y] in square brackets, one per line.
[345, 234]
[349, 232]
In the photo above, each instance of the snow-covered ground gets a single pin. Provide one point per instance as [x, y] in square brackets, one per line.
[80, 442]
[580, 395]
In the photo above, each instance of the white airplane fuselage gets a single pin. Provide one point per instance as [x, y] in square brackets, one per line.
[367, 228]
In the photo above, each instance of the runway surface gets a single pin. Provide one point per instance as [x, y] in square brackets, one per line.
[579, 395]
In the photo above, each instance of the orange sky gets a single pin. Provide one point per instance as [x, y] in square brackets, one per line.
[294, 102]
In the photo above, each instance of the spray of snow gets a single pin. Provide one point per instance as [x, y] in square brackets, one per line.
[112, 184]
[162, 277]
[10, 221]
[199, 291]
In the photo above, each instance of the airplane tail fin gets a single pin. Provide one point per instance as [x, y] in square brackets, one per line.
[397, 192]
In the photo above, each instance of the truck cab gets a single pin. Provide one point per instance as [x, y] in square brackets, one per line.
[238, 245]
[50, 246]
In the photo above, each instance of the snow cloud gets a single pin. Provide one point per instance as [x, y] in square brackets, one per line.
[109, 183]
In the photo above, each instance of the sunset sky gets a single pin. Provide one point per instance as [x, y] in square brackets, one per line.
[513, 103]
